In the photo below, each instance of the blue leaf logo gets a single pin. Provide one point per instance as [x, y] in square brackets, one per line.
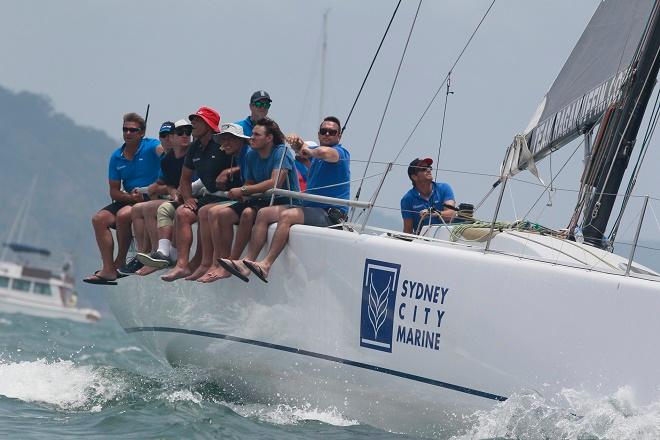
[378, 305]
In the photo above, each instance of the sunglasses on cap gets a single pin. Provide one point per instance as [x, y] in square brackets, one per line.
[183, 131]
[130, 129]
[328, 132]
[262, 104]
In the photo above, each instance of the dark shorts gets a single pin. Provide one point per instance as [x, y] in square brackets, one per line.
[257, 204]
[322, 217]
[114, 207]
[209, 199]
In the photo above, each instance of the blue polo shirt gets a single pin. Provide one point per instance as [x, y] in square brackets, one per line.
[247, 125]
[413, 202]
[259, 169]
[142, 171]
[322, 174]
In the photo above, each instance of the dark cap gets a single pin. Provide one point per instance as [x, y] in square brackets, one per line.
[166, 128]
[259, 95]
[419, 164]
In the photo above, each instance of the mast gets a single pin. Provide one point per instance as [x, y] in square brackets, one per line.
[622, 133]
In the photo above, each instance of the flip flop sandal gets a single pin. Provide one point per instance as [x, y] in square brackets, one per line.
[232, 268]
[255, 270]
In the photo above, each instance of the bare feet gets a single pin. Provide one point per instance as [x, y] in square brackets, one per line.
[146, 270]
[215, 273]
[176, 273]
[199, 272]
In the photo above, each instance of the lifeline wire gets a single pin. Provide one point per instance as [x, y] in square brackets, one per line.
[382, 40]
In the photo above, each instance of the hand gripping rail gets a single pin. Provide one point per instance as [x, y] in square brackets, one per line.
[305, 196]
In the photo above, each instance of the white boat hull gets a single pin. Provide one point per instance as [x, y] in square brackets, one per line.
[10, 304]
[489, 326]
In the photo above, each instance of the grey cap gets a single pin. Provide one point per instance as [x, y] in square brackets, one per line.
[230, 128]
[259, 95]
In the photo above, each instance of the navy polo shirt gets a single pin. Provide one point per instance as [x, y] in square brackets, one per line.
[141, 171]
[170, 169]
[413, 202]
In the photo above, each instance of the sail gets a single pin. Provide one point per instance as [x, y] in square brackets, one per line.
[591, 78]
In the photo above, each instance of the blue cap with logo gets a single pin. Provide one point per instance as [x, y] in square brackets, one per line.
[166, 128]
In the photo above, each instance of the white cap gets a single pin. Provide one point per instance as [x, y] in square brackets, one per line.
[182, 123]
[229, 128]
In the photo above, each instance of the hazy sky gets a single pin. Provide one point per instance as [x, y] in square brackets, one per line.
[99, 59]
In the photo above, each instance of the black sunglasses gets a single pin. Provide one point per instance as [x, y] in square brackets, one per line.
[130, 129]
[187, 131]
[328, 132]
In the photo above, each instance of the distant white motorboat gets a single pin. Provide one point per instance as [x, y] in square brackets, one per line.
[40, 292]
[412, 333]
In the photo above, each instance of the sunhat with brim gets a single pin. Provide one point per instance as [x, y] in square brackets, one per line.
[208, 115]
[232, 129]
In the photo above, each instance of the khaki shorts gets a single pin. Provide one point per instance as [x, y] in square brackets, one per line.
[165, 214]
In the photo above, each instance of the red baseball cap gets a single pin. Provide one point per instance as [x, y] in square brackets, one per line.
[418, 165]
[210, 116]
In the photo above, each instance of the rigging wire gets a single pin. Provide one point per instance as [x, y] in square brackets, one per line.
[435, 95]
[650, 130]
[389, 98]
[442, 128]
[553, 178]
[442, 131]
[382, 40]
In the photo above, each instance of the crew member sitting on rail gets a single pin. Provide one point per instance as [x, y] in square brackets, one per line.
[426, 201]
[234, 143]
[159, 214]
[269, 161]
[144, 213]
[206, 158]
[329, 175]
[133, 165]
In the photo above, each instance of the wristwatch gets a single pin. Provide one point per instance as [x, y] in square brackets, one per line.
[244, 190]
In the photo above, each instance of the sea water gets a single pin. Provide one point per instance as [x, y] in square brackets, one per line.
[60, 379]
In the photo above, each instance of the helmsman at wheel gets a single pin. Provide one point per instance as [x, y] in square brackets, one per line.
[427, 200]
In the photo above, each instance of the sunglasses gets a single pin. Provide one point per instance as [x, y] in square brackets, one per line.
[262, 104]
[424, 170]
[328, 132]
[184, 131]
[163, 135]
[130, 129]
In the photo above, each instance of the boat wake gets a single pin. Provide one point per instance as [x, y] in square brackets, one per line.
[60, 383]
[530, 416]
[66, 386]
[283, 414]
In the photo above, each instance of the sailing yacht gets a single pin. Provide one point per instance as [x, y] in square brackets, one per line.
[412, 333]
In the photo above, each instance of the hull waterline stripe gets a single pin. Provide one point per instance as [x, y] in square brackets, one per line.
[339, 360]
